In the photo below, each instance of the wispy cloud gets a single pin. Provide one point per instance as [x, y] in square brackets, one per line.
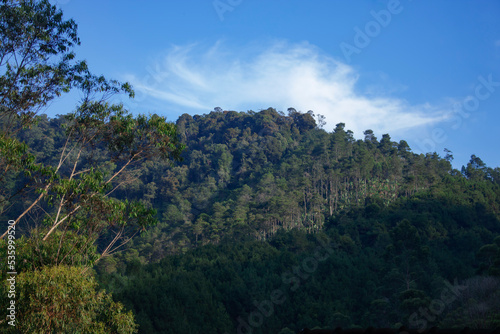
[281, 75]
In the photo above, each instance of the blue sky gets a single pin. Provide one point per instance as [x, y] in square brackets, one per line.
[424, 71]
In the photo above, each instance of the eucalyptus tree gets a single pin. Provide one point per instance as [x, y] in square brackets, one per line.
[38, 64]
[66, 206]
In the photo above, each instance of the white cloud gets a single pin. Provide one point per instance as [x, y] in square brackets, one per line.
[280, 76]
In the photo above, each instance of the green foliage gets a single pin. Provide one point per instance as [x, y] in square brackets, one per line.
[64, 248]
[62, 299]
[265, 171]
[35, 57]
[100, 148]
[406, 221]
[384, 265]
[58, 176]
[489, 255]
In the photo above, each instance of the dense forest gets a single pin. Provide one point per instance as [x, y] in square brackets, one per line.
[255, 195]
[242, 217]
[227, 222]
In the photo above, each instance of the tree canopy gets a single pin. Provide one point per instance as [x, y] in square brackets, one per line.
[59, 199]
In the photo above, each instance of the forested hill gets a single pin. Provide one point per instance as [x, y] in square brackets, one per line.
[400, 226]
[252, 173]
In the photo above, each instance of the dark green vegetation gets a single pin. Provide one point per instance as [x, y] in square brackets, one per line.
[269, 224]
[240, 217]
[258, 189]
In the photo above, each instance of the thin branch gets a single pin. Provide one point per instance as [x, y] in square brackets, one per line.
[124, 166]
[82, 171]
[28, 209]
[123, 243]
[118, 185]
[70, 178]
[59, 222]
[108, 252]
[115, 239]
[61, 160]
